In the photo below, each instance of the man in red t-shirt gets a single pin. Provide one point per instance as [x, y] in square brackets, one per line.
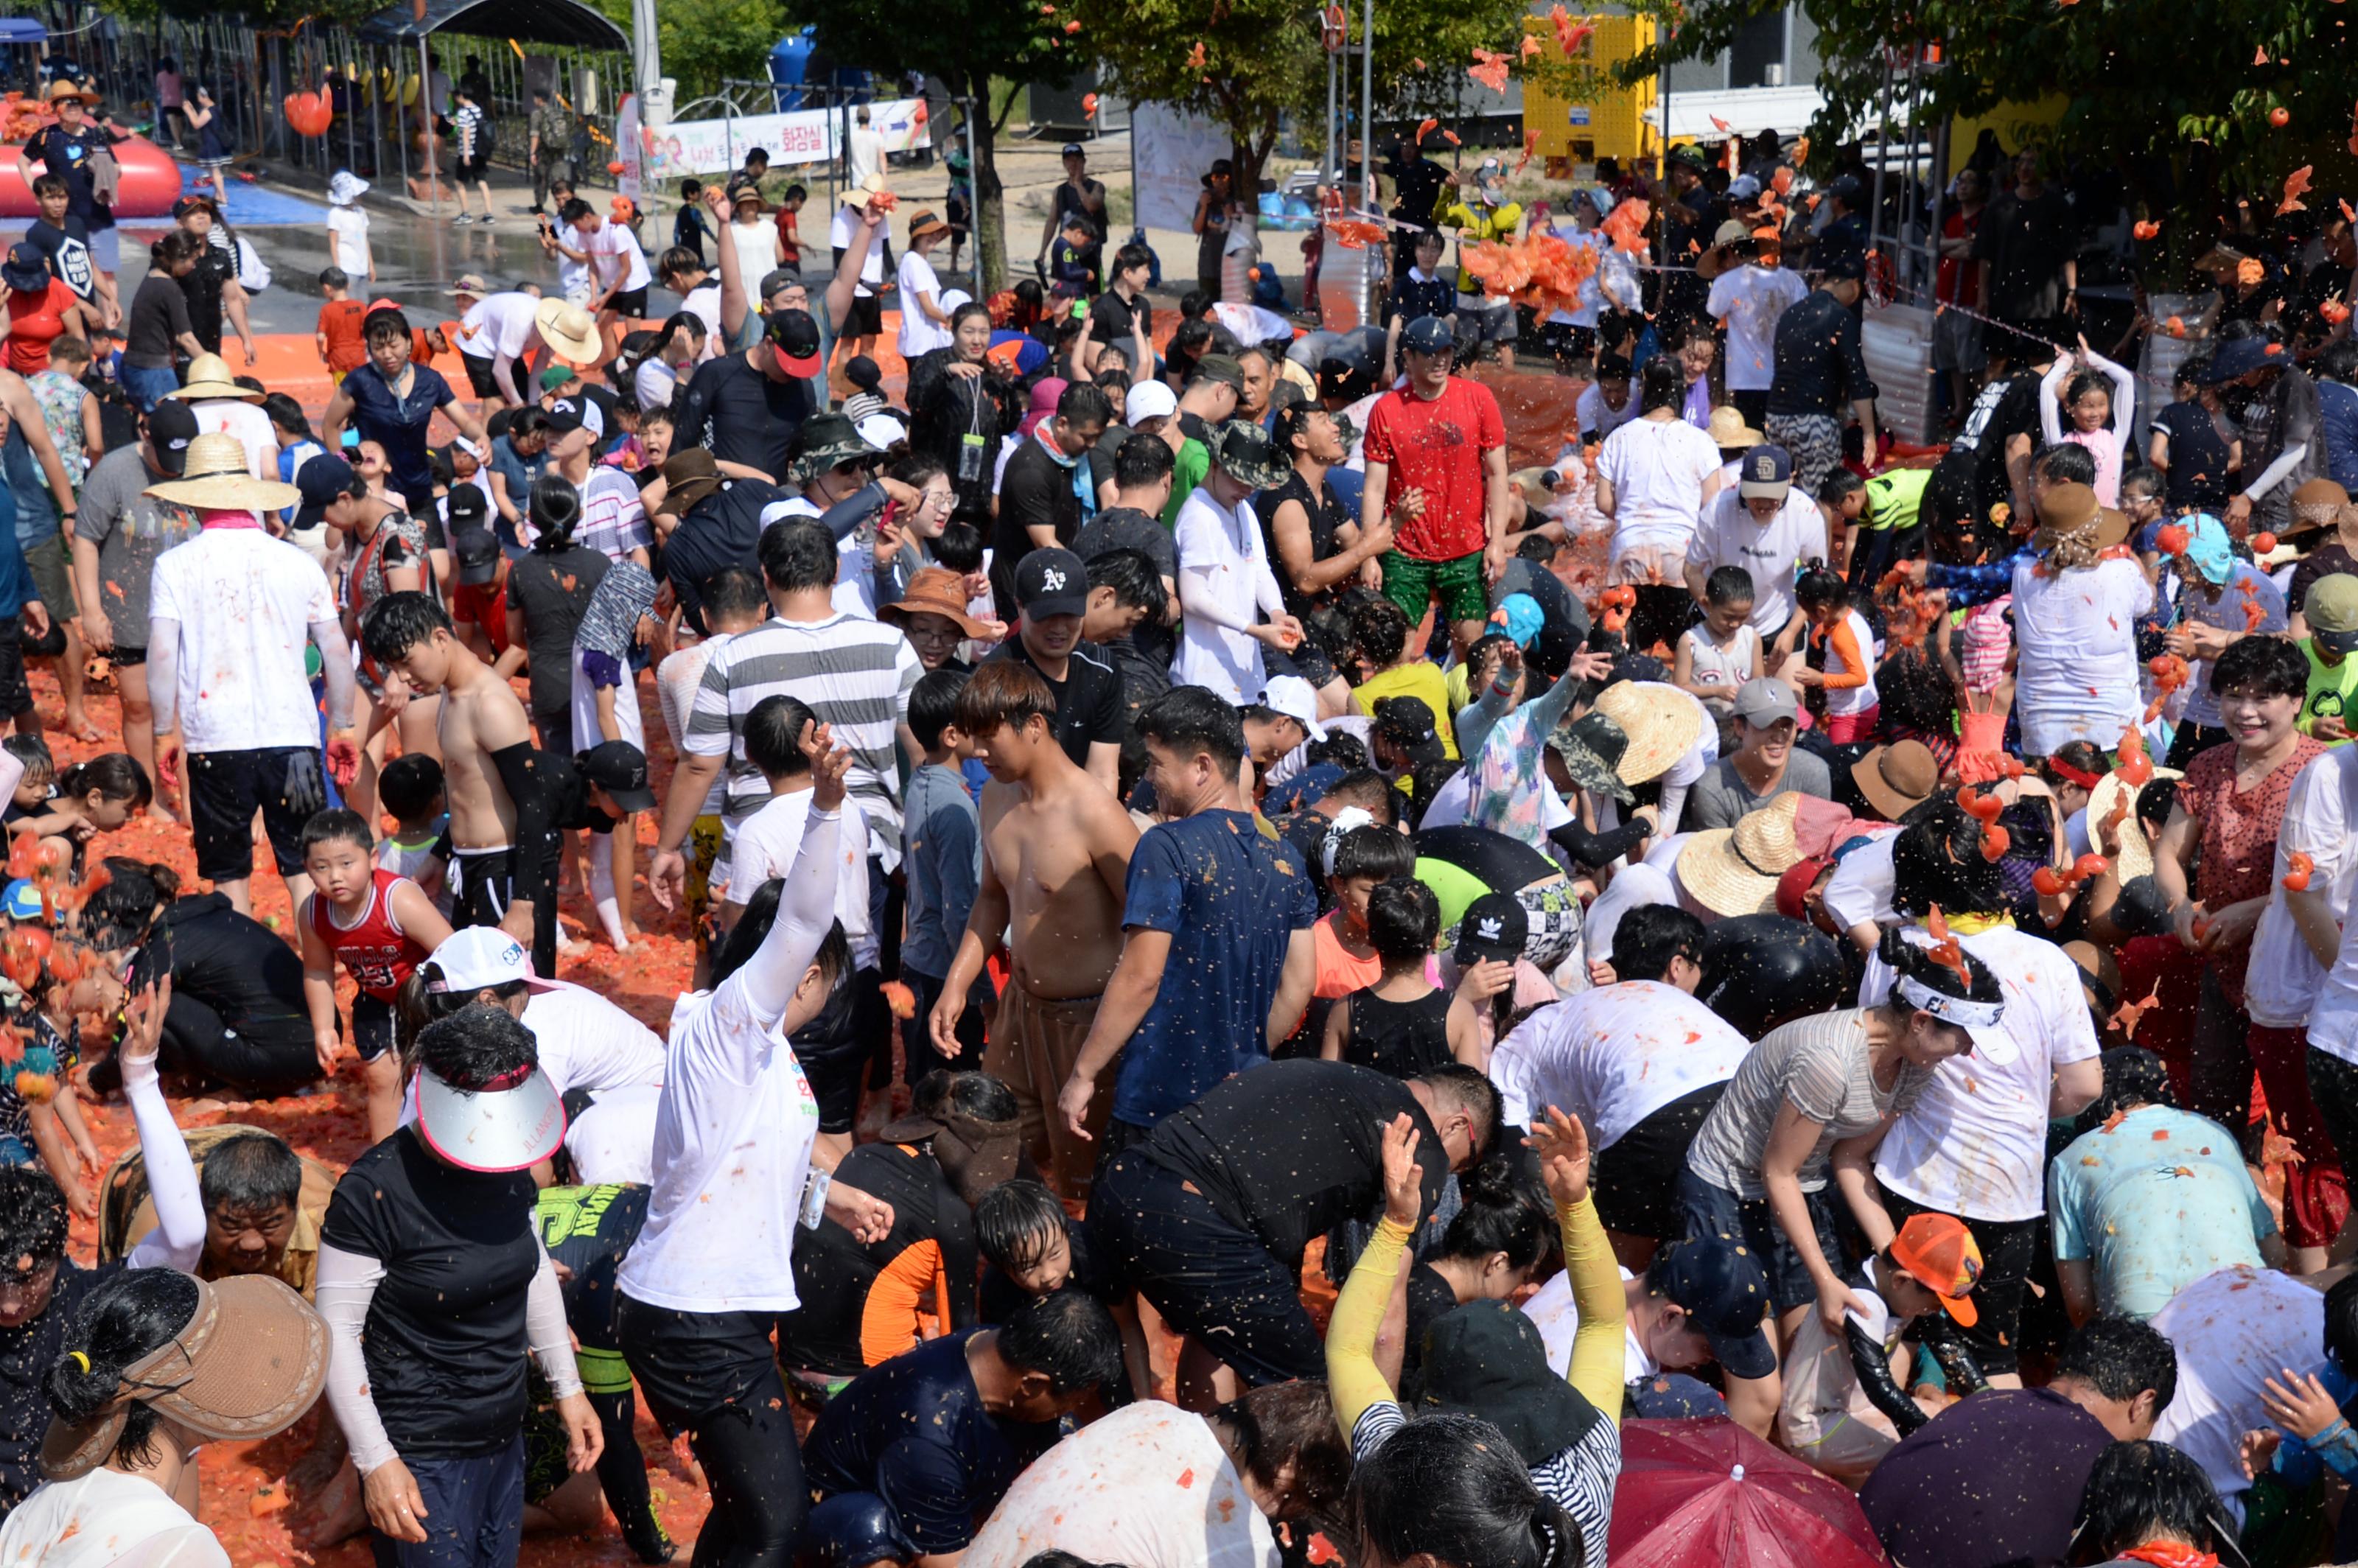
[1444, 437]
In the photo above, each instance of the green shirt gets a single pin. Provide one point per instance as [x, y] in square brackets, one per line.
[1187, 470]
[2330, 690]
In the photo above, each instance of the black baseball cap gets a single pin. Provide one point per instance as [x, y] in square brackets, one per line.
[621, 769]
[171, 426]
[323, 481]
[1722, 1287]
[1495, 926]
[26, 268]
[471, 539]
[568, 414]
[1429, 335]
[1072, 149]
[794, 334]
[1052, 582]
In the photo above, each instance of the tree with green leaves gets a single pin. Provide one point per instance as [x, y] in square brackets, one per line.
[984, 52]
[2195, 103]
[1247, 63]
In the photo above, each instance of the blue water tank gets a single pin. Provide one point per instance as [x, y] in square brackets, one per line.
[799, 61]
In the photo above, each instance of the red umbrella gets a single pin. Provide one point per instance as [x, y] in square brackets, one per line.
[1701, 1494]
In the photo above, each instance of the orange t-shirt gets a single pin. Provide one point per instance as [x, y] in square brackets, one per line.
[339, 323]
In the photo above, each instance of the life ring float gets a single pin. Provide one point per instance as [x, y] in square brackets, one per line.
[151, 180]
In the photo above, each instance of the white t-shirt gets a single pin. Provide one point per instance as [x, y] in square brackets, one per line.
[703, 302]
[1557, 1317]
[1658, 469]
[615, 252]
[1975, 1142]
[245, 603]
[500, 326]
[107, 1520]
[1632, 887]
[1591, 412]
[2077, 676]
[1849, 699]
[613, 1138]
[1864, 884]
[676, 679]
[1613, 1056]
[2233, 1331]
[766, 844]
[588, 1043]
[863, 154]
[2282, 983]
[347, 239]
[249, 424]
[1751, 298]
[1222, 557]
[757, 250]
[732, 1153]
[841, 231]
[1147, 1487]
[1728, 535]
[855, 564]
[1450, 801]
[918, 334]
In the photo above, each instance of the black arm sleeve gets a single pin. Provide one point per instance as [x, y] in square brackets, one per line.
[1598, 849]
[521, 772]
[1962, 1373]
[848, 514]
[1873, 1370]
[961, 1261]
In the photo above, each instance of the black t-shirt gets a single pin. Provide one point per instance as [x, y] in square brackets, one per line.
[1070, 199]
[914, 1431]
[740, 416]
[1289, 1150]
[1115, 317]
[1128, 528]
[2197, 458]
[2001, 411]
[1995, 1479]
[68, 156]
[203, 287]
[2026, 241]
[68, 250]
[231, 962]
[27, 1353]
[856, 1296]
[552, 589]
[159, 314]
[445, 1337]
[1416, 185]
[1430, 1300]
[1088, 699]
[1035, 491]
[1821, 363]
[1327, 513]
[724, 529]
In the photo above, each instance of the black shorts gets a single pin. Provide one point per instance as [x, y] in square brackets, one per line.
[864, 319]
[690, 1364]
[2333, 1085]
[225, 788]
[122, 657]
[630, 305]
[1637, 1176]
[373, 1034]
[482, 375]
[475, 167]
[16, 697]
[1208, 1276]
[2008, 1247]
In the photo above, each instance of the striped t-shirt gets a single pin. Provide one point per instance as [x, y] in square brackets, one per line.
[613, 520]
[856, 674]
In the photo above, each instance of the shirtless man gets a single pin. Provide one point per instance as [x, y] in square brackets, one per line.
[500, 788]
[1056, 858]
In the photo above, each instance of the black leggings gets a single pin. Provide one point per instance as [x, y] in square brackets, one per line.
[198, 1042]
[715, 1375]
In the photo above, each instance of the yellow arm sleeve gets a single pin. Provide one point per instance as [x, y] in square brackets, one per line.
[1596, 1345]
[1352, 1379]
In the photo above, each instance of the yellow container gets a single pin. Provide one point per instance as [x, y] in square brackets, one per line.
[1617, 122]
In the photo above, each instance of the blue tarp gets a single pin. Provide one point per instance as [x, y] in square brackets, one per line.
[527, 21]
[21, 30]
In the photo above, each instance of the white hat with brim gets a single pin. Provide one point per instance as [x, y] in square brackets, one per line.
[570, 333]
[217, 480]
[2136, 859]
[1734, 871]
[511, 1127]
[209, 377]
[1662, 722]
[1294, 698]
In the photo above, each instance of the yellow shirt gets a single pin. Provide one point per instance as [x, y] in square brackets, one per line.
[1419, 679]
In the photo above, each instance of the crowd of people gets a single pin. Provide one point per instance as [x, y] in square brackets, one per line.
[1172, 820]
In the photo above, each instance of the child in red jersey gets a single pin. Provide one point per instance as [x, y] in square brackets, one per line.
[381, 924]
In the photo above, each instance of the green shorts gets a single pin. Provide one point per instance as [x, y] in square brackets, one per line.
[47, 561]
[1410, 583]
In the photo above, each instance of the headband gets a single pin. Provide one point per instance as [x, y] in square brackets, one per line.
[2070, 774]
[1350, 816]
[1964, 1012]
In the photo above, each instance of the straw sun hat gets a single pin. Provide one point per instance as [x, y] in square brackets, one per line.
[2136, 859]
[1661, 721]
[209, 377]
[1734, 871]
[217, 479]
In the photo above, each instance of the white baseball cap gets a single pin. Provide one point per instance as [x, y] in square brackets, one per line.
[1293, 696]
[1149, 400]
[475, 956]
[510, 1124]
